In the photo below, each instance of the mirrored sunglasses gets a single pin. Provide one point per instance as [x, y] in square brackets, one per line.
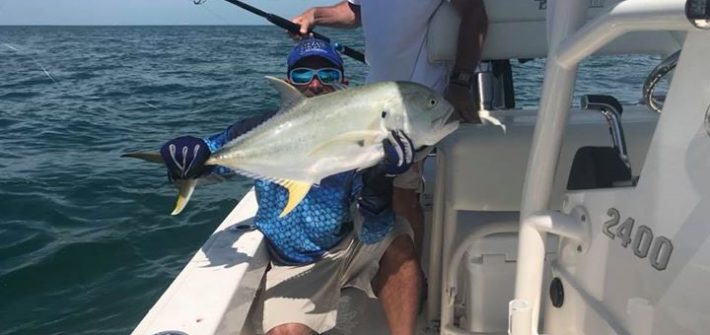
[304, 76]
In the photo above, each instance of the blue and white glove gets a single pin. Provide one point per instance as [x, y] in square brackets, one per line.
[399, 153]
[185, 157]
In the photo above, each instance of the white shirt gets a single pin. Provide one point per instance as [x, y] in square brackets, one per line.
[395, 41]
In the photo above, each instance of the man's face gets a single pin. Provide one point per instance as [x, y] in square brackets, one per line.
[316, 85]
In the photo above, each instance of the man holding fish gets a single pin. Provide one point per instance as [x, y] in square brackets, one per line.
[436, 43]
[324, 165]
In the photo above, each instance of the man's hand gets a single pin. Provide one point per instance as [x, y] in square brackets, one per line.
[341, 15]
[185, 157]
[462, 100]
[399, 153]
[376, 194]
[306, 20]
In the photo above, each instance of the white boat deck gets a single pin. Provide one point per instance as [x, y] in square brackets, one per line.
[214, 292]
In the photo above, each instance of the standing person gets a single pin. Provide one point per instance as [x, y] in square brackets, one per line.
[344, 232]
[396, 49]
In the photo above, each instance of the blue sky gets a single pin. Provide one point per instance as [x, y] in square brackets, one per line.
[143, 12]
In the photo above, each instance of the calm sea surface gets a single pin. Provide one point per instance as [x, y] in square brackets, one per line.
[87, 244]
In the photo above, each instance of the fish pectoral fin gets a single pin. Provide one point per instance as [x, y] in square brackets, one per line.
[289, 94]
[297, 190]
[153, 157]
[360, 138]
[185, 188]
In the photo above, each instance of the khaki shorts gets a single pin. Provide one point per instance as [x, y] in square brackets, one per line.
[309, 294]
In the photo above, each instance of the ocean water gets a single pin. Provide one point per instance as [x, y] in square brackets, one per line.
[87, 244]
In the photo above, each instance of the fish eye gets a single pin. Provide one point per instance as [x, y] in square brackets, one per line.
[432, 102]
[384, 114]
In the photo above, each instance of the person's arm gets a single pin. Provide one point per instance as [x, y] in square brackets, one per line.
[373, 187]
[374, 204]
[216, 141]
[185, 156]
[472, 34]
[344, 14]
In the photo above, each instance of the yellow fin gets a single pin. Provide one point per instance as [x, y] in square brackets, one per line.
[185, 188]
[297, 190]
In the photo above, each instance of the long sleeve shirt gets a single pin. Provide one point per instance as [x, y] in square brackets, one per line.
[324, 217]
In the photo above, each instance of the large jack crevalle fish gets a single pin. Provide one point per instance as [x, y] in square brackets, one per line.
[312, 138]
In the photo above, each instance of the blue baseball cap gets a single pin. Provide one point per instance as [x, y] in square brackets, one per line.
[314, 47]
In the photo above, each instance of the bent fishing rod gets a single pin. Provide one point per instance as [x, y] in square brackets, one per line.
[293, 28]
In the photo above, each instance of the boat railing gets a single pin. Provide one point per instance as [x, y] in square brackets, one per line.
[570, 41]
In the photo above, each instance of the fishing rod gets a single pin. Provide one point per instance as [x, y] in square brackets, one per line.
[293, 28]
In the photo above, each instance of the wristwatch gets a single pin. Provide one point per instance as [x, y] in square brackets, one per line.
[462, 78]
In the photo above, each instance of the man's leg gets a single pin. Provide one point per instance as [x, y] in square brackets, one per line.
[397, 285]
[406, 204]
[299, 300]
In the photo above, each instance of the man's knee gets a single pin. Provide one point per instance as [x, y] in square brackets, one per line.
[290, 329]
[400, 251]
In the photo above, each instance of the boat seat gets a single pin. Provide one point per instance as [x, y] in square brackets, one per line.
[483, 168]
[598, 167]
[602, 167]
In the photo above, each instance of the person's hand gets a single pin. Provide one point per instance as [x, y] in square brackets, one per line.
[376, 194]
[462, 100]
[185, 157]
[306, 21]
[399, 153]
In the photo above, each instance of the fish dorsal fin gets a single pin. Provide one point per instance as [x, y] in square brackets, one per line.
[361, 138]
[297, 190]
[289, 94]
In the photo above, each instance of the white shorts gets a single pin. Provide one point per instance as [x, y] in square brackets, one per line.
[309, 294]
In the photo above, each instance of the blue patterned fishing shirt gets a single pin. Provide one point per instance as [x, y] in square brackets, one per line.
[319, 222]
